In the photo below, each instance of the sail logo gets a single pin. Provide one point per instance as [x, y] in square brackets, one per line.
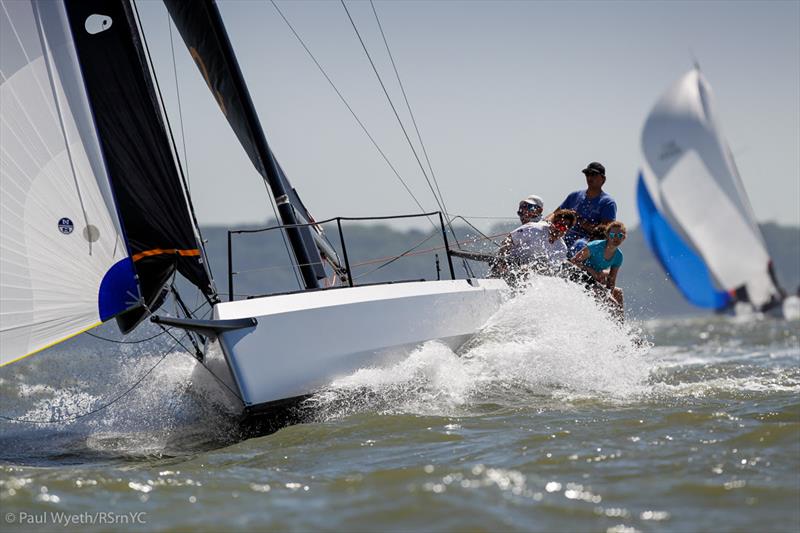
[65, 226]
[97, 23]
[670, 150]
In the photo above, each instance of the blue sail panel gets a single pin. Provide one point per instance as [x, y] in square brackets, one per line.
[686, 268]
[119, 290]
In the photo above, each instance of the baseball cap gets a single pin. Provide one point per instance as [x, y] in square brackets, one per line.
[595, 168]
[533, 200]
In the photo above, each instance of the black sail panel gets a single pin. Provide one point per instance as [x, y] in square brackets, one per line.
[200, 25]
[144, 178]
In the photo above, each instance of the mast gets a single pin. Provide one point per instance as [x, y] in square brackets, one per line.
[201, 27]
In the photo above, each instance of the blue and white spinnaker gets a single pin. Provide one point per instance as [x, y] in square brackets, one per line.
[694, 211]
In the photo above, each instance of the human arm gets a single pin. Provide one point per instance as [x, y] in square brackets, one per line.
[611, 279]
[500, 264]
[579, 259]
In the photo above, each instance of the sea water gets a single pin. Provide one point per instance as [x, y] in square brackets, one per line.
[555, 417]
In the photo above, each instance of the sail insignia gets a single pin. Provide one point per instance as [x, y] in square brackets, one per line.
[97, 23]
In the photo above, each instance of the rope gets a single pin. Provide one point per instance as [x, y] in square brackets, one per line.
[178, 342]
[407, 252]
[201, 363]
[102, 407]
[479, 231]
[196, 309]
[124, 342]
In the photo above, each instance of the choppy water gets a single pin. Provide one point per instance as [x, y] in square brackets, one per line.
[554, 418]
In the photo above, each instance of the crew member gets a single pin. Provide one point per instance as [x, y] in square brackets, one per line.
[594, 207]
[601, 261]
[536, 244]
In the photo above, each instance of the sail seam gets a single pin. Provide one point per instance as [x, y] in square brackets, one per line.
[59, 112]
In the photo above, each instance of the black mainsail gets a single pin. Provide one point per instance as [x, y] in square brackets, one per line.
[200, 24]
[147, 187]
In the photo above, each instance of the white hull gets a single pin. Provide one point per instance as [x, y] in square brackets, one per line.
[303, 341]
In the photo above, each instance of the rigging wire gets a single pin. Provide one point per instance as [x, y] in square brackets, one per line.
[102, 407]
[349, 108]
[178, 342]
[139, 341]
[467, 267]
[411, 114]
[178, 95]
[486, 237]
[387, 263]
[391, 104]
[180, 168]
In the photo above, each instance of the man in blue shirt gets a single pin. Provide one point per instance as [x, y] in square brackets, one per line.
[594, 207]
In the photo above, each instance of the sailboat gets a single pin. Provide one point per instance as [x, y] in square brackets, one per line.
[97, 217]
[694, 211]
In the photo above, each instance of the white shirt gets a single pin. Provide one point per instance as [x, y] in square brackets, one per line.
[532, 241]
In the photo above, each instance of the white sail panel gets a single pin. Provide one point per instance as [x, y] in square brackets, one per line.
[693, 180]
[64, 266]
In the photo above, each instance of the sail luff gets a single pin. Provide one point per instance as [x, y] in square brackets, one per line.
[203, 31]
[184, 185]
[133, 134]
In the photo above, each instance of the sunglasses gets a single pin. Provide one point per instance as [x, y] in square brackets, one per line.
[526, 207]
[612, 235]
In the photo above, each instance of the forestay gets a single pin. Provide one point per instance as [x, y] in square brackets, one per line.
[64, 267]
[694, 211]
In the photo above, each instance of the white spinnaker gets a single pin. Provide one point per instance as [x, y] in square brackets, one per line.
[51, 169]
[692, 177]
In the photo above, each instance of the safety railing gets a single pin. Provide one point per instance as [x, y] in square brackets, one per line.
[342, 241]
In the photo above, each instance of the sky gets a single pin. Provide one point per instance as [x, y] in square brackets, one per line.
[511, 99]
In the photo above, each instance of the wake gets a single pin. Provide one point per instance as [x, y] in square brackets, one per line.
[551, 340]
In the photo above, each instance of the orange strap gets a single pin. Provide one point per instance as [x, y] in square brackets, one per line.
[161, 251]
